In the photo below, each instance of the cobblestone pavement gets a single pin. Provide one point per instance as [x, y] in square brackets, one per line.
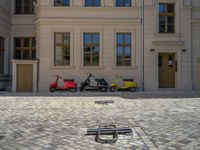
[60, 122]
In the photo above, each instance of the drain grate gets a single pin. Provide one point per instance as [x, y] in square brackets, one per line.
[104, 102]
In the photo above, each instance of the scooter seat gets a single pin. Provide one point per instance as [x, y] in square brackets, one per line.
[101, 81]
[128, 80]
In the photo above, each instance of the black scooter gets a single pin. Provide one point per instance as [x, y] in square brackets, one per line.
[100, 84]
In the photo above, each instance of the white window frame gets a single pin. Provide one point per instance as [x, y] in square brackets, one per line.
[63, 30]
[100, 31]
[133, 48]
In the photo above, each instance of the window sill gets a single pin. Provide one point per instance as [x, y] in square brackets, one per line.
[124, 68]
[168, 34]
[62, 67]
[92, 67]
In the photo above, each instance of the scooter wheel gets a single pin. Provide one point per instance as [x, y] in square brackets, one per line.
[132, 89]
[103, 89]
[113, 89]
[82, 88]
[52, 89]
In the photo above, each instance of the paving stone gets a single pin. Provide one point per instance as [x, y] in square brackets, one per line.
[60, 122]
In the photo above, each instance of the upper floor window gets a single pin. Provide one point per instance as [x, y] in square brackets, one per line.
[123, 49]
[25, 48]
[62, 49]
[91, 49]
[61, 2]
[93, 3]
[166, 18]
[123, 3]
[24, 7]
[1, 54]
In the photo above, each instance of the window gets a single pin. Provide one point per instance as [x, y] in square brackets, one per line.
[123, 3]
[91, 3]
[25, 48]
[62, 49]
[1, 54]
[123, 49]
[61, 2]
[24, 7]
[166, 18]
[91, 49]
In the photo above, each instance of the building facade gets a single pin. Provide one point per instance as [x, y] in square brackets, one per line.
[39, 39]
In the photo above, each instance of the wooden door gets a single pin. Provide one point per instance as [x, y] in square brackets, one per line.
[24, 78]
[167, 68]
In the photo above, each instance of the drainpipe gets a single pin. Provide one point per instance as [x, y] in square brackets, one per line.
[142, 46]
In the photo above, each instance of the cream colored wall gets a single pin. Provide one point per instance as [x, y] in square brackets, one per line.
[107, 68]
[108, 19]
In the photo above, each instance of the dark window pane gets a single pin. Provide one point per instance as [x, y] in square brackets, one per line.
[26, 54]
[26, 42]
[34, 54]
[17, 54]
[170, 8]
[170, 29]
[162, 19]
[33, 42]
[18, 42]
[123, 3]
[170, 20]
[92, 2]
[1, 61]
[162, 28]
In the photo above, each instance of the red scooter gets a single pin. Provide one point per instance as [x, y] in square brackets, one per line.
[69, 84]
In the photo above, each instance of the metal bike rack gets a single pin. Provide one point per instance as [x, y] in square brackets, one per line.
[108, 129]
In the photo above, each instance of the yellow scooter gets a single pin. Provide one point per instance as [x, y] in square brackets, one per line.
[128, 84]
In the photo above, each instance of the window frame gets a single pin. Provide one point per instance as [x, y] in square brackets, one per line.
[63, 46]
[22, 8]
[23, 48]
[167, 14]
[123, 4]
[2, 50]
[100, 1]
[123, 45]
[91, 53]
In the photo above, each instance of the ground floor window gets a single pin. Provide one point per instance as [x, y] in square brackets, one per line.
[91, 49]
[1, 54]
[62, 49]
[25, 48]
[123, 49]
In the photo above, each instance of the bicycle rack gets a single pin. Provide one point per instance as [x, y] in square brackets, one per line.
[108, 129]
[105, 102]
